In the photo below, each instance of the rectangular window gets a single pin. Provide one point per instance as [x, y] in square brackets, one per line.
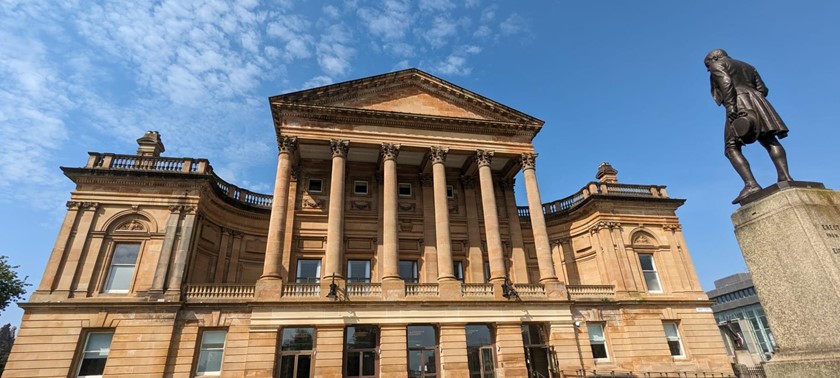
[315, 186]
[95, 354]
[358, 271]
[211, 352]
[486, 272]
[308, 271]
[297, 347]
[122, 267]
[450, 191]
[408, 271]
[405, 189]
[597, 341]
[649, 271]
[672, 334]
[360, 187]
[458, 268]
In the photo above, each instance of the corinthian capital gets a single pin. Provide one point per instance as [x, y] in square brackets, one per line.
[339, 147]
[528, 160]
[438, 154]
[390, 151]
[287, 144]
[483, 157]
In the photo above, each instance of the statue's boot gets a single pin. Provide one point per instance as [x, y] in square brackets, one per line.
[748, 190]
[742, 166]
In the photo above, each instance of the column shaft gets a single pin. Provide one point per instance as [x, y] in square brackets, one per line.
[276, 224]
[519, 270]
[442, 236]
[390, 238]
[335, 222]
[541, 242]
[495, 254]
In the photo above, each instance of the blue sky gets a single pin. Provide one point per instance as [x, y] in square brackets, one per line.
[615, 81]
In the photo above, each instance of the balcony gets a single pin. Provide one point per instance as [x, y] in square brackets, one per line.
[603, 189]
[421, 289]
[219, 293]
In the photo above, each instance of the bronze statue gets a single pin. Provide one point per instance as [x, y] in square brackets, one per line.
[749, 117]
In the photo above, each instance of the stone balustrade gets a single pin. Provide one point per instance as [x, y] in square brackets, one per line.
[477, 290]
[217, 292]
[529, 290]
[364, 290]
[421, 289]
[301, 290]
[590, 291]
[564, 205]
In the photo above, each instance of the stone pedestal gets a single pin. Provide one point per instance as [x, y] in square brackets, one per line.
[790, 238]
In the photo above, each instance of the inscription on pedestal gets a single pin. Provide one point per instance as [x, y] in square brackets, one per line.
[832, 231]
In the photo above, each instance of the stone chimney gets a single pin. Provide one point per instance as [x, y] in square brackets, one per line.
[150, 144]
[606, 173]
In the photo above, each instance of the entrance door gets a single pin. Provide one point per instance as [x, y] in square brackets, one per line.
[536, 359]
[422, 351]
[360, 351]
[422, 363]
[296, 352]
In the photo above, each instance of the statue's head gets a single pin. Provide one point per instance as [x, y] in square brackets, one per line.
[714, 55]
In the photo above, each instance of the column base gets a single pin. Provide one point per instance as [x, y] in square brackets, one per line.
[268, 289]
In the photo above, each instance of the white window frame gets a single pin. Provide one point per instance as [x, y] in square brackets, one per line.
[85, 351]
[654, 271]
[317, 271]
[309, 185]
[402, 185]
[367, 187]
[677, 338]
[603, 341]
[367, 270]
[202, 349]
[106, 286]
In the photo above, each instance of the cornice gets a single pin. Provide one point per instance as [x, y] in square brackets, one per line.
[333, 114]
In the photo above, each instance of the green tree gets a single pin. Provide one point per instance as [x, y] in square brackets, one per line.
[12, 288]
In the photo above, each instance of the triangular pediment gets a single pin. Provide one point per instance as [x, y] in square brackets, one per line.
[408, 92]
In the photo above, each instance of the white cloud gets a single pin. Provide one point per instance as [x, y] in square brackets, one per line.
[435, 5]
[483, 31]
[456, 62]
[442, 29]
[400, 49]
[389, 23]
[513, 24]
[334, 51]
[330, 11]
[317, 81]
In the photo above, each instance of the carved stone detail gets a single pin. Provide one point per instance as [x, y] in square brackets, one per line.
[339, 147]
[483, 157]
[602, 225]
[132, 225]
[360, 205]
[407, 207]
[310, 203]
[642, 239]
[528, 160]
[672, 227]
[73, 204]
[438, 154]
[287, 144]
[390, 151]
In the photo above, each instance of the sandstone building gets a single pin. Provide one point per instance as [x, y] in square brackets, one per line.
[392, 246]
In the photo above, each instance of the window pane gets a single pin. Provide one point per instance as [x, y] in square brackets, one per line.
[671, 331]
[478, 335]
[487, 359]
[596, 333]
[361, 337]
[368, 363]
[95, 354]
[674, 346]
[458, 268]
[315, 185]
[304, 366]
[405, 189]
[430, 360]
[119, 278]
[360, 187]
[125, 254]
[298, 339]
[308, 271]
[599, 350]
[474, 362]
[358, 271]
[646, 262]
[287, 366]
[408, 271]
[212, 349]
[652, 281]
[353, 360]
[421, 336]
[415, 364]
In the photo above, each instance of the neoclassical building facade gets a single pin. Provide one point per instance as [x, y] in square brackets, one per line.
[392, 246]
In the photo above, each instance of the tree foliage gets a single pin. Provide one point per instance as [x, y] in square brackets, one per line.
[12, 288]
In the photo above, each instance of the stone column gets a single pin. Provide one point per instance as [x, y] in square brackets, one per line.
[335, 222]
[491, 217]
[430, 259]
[442, 237]
[475, 273]
[61, 244]
[179, 265]
[79, 239]
[233, 269]
[541, 242]
[273, 249]
[519, 268]
[222, 260]
[390, 241]
[166, 250]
